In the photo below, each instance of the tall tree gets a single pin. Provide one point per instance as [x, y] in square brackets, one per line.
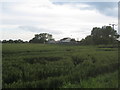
[104, 35]
[41, 38]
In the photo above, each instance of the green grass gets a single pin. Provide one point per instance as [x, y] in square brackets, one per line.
[59, 66]
[109, 80]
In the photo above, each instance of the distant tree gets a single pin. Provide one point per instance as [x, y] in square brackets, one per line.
[20, 41]
[104, 35]
[4, 41]
[82, 41]
[51, 39]
[10, 41]
[13, 41]
[73, 40]
[89, 40]
[26, 42]
[41, 38]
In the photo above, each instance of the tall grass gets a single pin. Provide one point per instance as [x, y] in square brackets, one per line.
[59, 66]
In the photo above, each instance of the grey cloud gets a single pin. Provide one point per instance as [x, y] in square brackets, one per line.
[106, 8]
[39, 30]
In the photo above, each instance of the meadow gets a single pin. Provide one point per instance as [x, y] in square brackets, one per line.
[59, 66]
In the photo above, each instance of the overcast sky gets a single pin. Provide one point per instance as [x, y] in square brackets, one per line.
[22, 19]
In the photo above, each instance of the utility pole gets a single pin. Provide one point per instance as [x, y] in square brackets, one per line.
[113, 25]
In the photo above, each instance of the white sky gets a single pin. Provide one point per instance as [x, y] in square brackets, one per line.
[21, 20]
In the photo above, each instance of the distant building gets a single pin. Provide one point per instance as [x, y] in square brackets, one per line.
[68, 40]
[65, 40]
[52, 41]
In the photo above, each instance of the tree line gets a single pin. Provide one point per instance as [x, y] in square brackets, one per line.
[14, 41]
[104, 35]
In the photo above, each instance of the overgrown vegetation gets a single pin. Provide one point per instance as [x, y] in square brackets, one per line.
[59, 66]
[105, 35]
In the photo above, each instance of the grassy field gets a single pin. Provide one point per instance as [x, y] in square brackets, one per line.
[59, 66]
